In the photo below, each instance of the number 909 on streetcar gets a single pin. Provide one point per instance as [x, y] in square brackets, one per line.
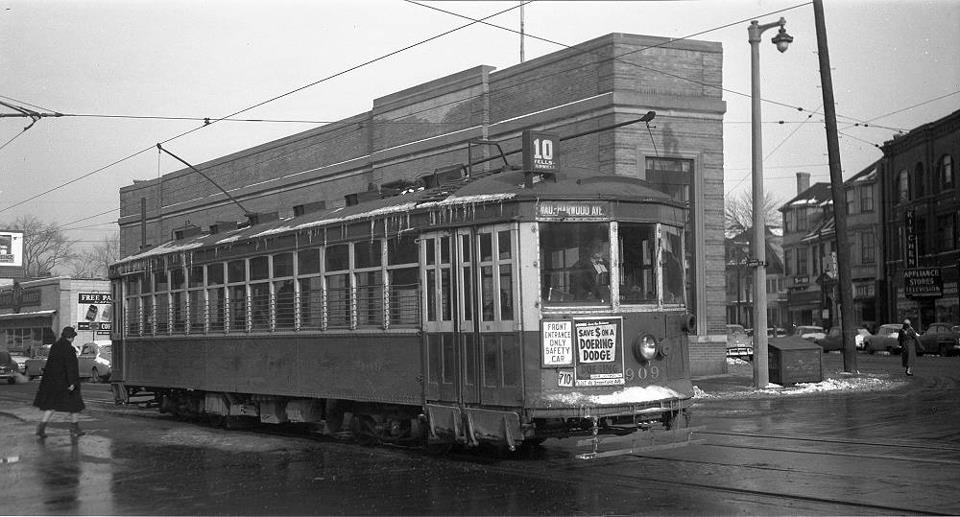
[503, 307]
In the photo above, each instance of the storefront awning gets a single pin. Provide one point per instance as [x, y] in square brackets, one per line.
[25, 315]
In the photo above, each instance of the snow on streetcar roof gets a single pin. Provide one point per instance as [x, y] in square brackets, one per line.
[488, 187]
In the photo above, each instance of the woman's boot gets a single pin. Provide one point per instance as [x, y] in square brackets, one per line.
[42, 430]
[75, 430]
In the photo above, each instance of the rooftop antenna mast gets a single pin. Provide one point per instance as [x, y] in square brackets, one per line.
[521, 32]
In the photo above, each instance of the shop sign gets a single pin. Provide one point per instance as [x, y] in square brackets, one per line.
[911, 238]
[19, 297]
[924, 282]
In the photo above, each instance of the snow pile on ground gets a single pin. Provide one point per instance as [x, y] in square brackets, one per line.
[843, 383]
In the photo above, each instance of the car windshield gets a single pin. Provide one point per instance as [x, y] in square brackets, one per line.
[808, 330]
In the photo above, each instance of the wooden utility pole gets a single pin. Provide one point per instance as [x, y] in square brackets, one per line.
[839, 196]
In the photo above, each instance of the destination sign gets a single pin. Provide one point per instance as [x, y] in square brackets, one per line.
[572, 210]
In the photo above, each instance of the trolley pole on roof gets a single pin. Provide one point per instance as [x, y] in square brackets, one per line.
[248, 214]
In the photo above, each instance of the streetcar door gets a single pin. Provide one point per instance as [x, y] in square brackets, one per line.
[498, 351]
[441, 359]
[465, 248]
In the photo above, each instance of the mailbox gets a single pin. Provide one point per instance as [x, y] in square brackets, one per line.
[792, 362]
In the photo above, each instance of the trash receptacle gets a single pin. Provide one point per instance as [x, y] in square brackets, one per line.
[790, 363]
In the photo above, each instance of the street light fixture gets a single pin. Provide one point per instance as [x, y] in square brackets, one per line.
[761, 375]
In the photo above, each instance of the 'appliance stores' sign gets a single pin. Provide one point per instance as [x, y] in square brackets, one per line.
[923, 282]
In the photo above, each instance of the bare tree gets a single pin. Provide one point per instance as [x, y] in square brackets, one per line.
[44, 246]
[95, 261]
[738, 212]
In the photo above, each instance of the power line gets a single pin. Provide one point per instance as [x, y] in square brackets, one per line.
[291, 92]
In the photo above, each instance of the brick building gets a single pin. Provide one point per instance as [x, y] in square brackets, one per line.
[575, 93]
[921, 203]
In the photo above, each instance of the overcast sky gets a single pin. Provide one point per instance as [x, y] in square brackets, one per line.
[895, 66]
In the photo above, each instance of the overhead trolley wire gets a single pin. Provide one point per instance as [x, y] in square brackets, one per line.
[473, 21]
[272, 99]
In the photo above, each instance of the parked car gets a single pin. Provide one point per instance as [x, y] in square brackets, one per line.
[21, 361]
[36, 363]
[9, 367]
[94, 360]
[834, 339]
[885, 340]
[810, 332]
[941, 338]
[776, 332]
[738, 344]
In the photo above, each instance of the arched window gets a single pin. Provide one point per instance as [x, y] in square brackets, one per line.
[920, 180]
[903, 186]
[945, 171]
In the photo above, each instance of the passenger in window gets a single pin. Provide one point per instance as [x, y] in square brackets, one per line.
[592, 272]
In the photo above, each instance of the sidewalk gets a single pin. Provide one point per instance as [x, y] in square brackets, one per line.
[738, 382]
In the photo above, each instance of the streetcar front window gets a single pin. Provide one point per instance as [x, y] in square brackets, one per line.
[638, 271]
[575, 263]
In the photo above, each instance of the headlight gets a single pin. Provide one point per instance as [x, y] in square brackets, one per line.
[645, 348]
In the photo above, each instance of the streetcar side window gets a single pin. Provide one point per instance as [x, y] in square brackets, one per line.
[162, 306]
[672, 253]
[369, 281]
[638, 271]
[496, 274]
[134, 318]
[403, 277]
[575, 263]
[178, 301]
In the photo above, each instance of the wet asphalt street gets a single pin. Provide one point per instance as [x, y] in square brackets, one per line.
[894, 449]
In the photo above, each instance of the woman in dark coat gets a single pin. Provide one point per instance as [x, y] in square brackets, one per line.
[60, 384]
[908, 346]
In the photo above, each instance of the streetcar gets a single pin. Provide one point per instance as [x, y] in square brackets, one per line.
[505, 307]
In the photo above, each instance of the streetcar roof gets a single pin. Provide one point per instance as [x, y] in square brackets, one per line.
[480, 189]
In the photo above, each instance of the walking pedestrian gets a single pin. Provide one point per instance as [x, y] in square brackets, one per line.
[909, 341]
[60, 384]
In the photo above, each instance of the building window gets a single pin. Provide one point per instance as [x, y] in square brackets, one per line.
[903, 186]
[945, 171]
[868, 253]
[851, 197]
[947, 232]
[787, 262]
[802, 261]
[920, 180]
[866, 198]
[801, 219]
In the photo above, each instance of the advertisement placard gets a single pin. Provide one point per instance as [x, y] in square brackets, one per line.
[11, 248]
[95, 312]
[599, 352]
